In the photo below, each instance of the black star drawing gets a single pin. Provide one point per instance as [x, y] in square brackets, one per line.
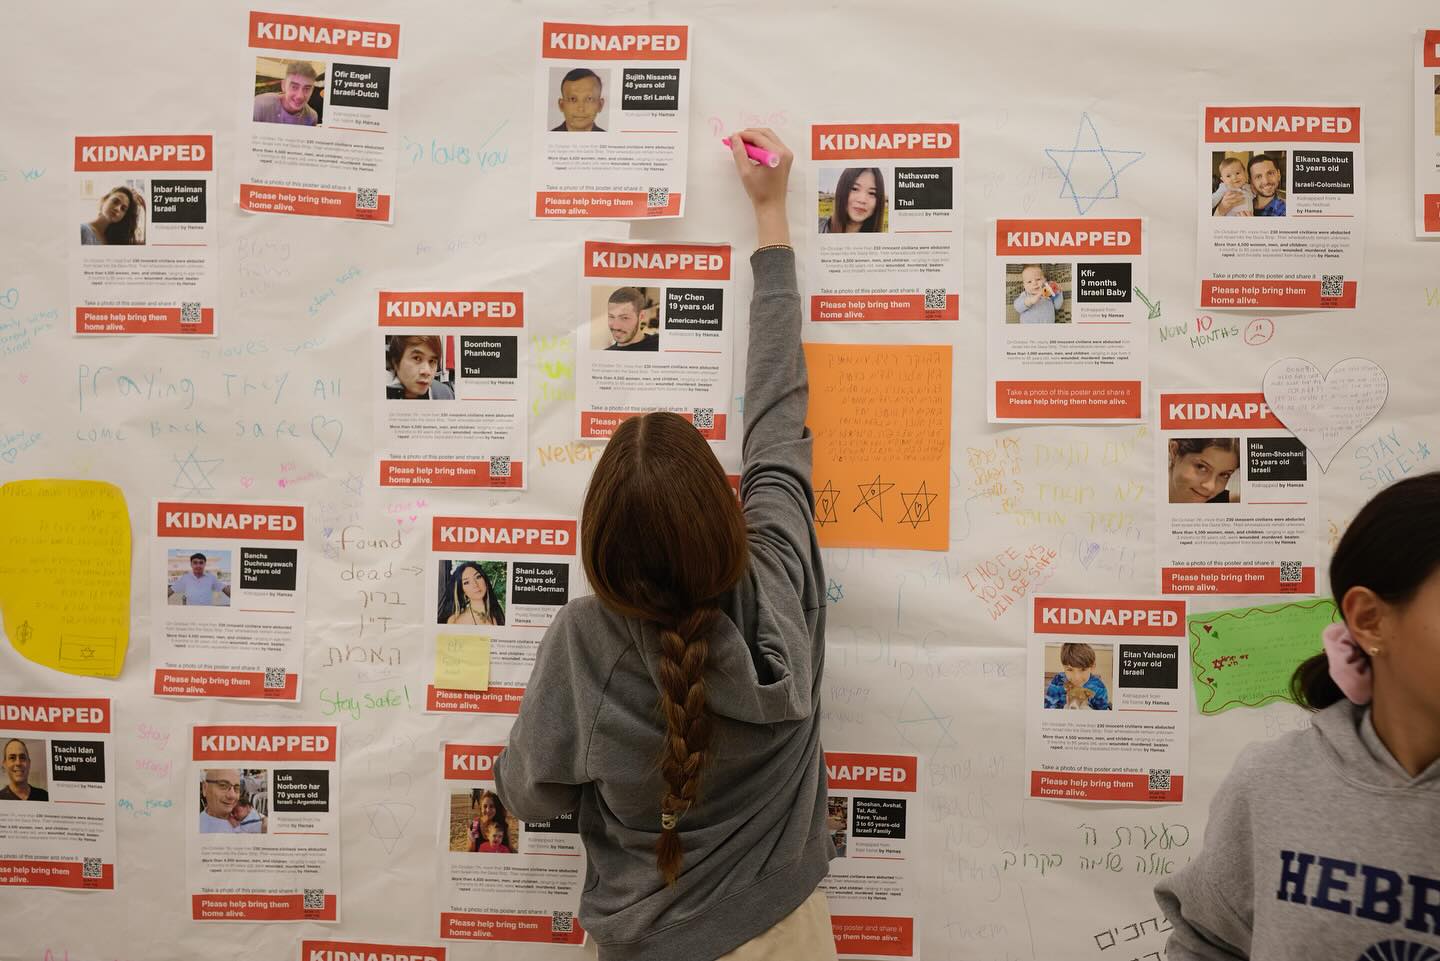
[825, 499]
[194, 474]
[917, 506]
[871, 495]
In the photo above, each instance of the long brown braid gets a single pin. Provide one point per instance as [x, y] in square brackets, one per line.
[662, 538]
[684, 650]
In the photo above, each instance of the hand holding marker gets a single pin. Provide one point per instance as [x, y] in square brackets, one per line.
[757, 154]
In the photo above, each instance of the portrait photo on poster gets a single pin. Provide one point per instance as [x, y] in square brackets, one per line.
[1078, 677]
[1203, 470]
[472, 592]
[1038, 293]
[852, 200]
[289, 92]
[625, 318]
[837, 822]
[23, 760]
[578, 94]
[1247, 183]
[1437, 104]
[419, 367]
[112, 211]
[198, 577]
[479, 823]
[234, 800]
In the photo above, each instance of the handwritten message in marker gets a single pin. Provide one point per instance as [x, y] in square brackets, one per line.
[1244, 657]
[881, 419]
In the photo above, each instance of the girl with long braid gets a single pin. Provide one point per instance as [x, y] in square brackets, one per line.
[677, 709]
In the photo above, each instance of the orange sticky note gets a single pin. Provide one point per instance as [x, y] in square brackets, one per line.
[881, 419]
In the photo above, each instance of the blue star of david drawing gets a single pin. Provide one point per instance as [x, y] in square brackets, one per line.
[1098, 166]
[833, 591]
[194, 474]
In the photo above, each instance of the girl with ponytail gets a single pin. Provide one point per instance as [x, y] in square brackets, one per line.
[1323, 843]
[677, 709]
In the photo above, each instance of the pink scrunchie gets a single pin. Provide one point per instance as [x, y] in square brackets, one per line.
[1349, 664]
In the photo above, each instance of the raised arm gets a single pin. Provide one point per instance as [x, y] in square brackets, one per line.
[775, 487]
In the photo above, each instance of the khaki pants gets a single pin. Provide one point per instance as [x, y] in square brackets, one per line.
[803, 935]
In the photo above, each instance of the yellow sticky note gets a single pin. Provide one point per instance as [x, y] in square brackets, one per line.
[462, 662]
[65, 573]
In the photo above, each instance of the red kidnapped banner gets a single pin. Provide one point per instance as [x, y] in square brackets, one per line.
[451, 308]
[1129, 617]
[870, 772]
[251, 522]
[189, 152]
[587, 41]
[505, 536]
[1022, 238]
[662, 261]
[355, 38]
[1239, 411]
[71, 715]
[1282, 124]
[885, 141]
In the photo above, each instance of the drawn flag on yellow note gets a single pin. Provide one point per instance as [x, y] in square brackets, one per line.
[462, 662]
[65, 573]
[881, 419]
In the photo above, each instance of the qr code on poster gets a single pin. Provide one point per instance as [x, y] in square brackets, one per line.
[367, 198]
[1332, 285]
[704, 418]
[657, 197]
[934, 298]
[1160, 779]
[314, 899]
[562, 922]
[500, 466]
[1291, 572]
[90, 868]
[274, 678]
[190, 312]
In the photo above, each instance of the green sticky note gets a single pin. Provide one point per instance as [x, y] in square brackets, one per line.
[1244, 657]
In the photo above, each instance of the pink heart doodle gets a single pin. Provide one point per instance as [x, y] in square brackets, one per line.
[246, 481]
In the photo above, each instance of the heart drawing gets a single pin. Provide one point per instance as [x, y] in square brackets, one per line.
[1324, 411]
[327, 430]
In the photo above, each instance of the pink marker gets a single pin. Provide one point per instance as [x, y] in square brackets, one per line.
[757, 154]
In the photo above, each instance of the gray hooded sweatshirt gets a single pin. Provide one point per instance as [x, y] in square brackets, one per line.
[1320, 847]
[589, 735]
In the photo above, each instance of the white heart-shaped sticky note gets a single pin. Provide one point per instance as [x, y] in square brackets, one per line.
[1325, 410]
